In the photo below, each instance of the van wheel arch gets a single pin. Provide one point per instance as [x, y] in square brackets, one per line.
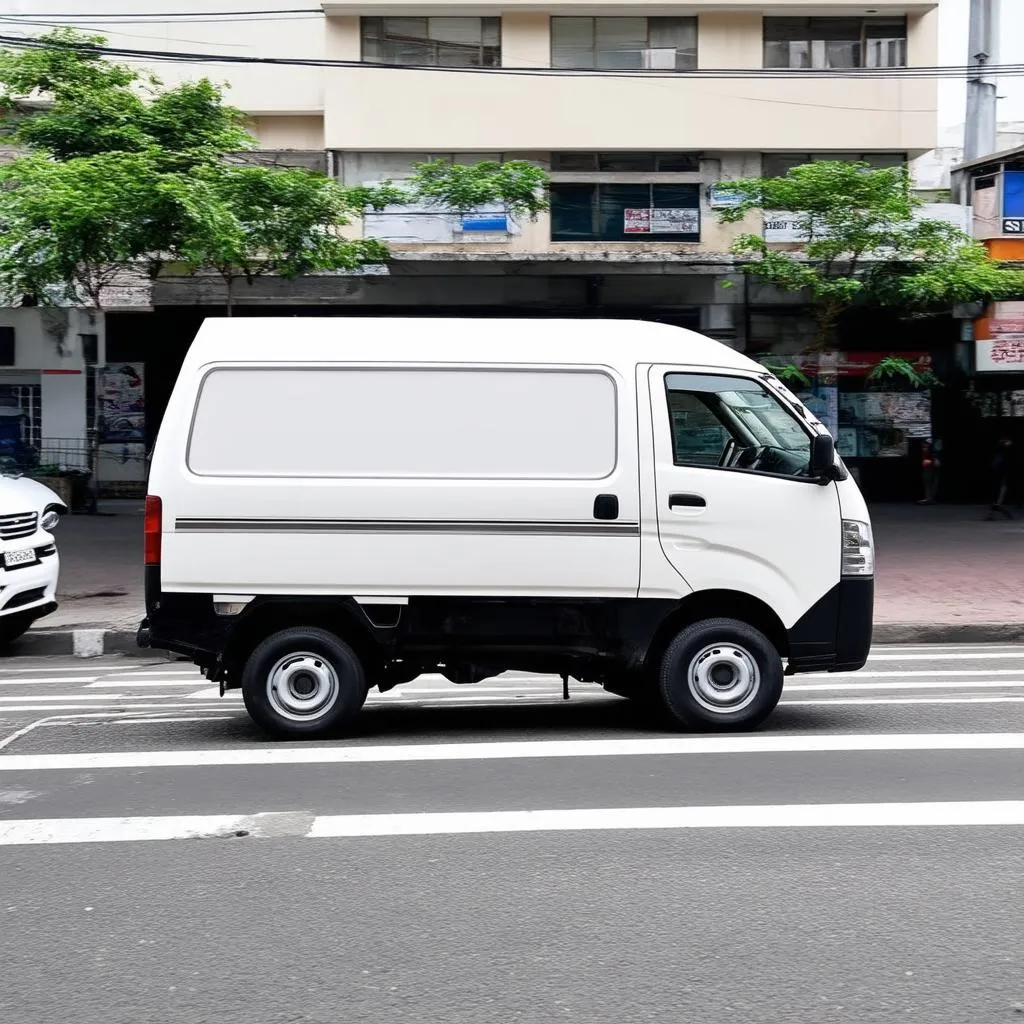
[264, 617]
[716, 604]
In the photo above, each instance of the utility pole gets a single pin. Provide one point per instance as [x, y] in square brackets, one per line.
[980, 124]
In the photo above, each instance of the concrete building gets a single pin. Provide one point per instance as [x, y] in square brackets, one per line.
[596, 92]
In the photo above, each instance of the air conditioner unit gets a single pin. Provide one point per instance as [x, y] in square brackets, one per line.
[662, 58]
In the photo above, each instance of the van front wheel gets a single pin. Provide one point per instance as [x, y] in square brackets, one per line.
[720, 674]
[303, 682]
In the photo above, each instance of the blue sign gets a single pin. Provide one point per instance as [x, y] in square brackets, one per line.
[1013, 194]
[485, 222]
[723, 197]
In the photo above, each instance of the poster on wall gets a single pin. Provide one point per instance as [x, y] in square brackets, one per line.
[121, 404]
[667, 221]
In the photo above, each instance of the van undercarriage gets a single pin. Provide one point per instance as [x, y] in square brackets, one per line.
[605, 640]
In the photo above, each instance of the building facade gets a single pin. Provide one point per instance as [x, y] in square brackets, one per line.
[598, 94]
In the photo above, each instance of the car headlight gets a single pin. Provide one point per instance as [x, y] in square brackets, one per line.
[858, 549]
[51, 516]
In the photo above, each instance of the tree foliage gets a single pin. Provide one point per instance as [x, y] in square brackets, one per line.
[119, 170]
[864, 245]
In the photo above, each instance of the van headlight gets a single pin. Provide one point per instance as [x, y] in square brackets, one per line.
[858, 549]
[51, 516]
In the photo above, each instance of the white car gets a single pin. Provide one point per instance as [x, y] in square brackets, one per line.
[29, 564]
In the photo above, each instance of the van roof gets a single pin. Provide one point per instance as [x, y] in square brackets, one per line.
[615, 343]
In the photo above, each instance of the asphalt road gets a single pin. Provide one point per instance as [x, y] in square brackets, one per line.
[494, 854]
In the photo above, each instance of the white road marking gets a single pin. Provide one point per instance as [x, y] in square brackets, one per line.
[34, 831]
[958, 684]
[140, 683]
[1009, 812]
[43, 681]
[108, 697]
[147, 720]
[945, 656]
[21, 670]
[514, 749]
[929, 673]
[86, 707]
[848, 701]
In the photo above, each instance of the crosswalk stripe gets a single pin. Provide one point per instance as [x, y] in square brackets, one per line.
[756, 743]
[944, 656]
[34, 831]
[960, 684]
[64, 680]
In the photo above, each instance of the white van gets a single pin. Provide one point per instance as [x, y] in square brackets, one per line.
[343, 503]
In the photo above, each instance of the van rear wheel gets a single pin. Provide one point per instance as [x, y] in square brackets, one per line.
[720, 674]
[303, 682]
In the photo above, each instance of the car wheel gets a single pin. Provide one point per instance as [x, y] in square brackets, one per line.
[303, 682]
[720, 674]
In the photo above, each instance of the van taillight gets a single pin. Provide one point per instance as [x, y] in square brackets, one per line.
[153, 528]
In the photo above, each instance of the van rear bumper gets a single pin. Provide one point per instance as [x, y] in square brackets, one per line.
[835, 633]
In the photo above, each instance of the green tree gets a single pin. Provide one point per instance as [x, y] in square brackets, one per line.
[864, 246]
[245, 222]
[83, 121]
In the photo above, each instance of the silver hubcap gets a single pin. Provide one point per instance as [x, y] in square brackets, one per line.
[723, 678]
[302, 687]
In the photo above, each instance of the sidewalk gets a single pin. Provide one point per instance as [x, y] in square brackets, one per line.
[944, 573]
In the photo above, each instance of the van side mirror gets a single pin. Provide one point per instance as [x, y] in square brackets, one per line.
[823, 457]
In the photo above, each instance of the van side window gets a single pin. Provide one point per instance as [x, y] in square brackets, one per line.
[734, 423]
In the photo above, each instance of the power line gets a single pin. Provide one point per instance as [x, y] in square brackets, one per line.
[186, 57]
[158, 15]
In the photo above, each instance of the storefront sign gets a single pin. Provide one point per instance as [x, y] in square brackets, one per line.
[1002, 350]
[782, 226]
[676, 221]
[1001, 354]
[1013, 202]
[485, 222]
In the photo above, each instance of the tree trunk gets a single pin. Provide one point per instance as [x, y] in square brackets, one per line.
[230, 303]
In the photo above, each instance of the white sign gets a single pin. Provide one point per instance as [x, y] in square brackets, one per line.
[676, 221]
[1004, 354]
[792, 227]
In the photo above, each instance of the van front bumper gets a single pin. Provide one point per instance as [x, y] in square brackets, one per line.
[835, 633]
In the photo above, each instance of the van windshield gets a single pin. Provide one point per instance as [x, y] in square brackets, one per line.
[734, 423]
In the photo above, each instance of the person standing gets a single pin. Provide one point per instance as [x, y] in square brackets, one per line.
[929, 471]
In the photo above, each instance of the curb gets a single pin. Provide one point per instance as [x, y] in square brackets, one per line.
[94, 642]
[82, 642]
[948, 633]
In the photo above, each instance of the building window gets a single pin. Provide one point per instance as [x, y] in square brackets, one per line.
[665, 163]
[433, 42]
[625, 213]
[778, 165]
[826, 43]
[624, 44]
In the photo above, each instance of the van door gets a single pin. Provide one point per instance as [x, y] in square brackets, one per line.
[736, 508]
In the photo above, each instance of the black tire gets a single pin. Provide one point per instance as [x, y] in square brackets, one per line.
[303, 666]
[694, 681]
[13, 627]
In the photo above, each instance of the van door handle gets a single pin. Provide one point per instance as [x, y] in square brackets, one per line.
[687, 501]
